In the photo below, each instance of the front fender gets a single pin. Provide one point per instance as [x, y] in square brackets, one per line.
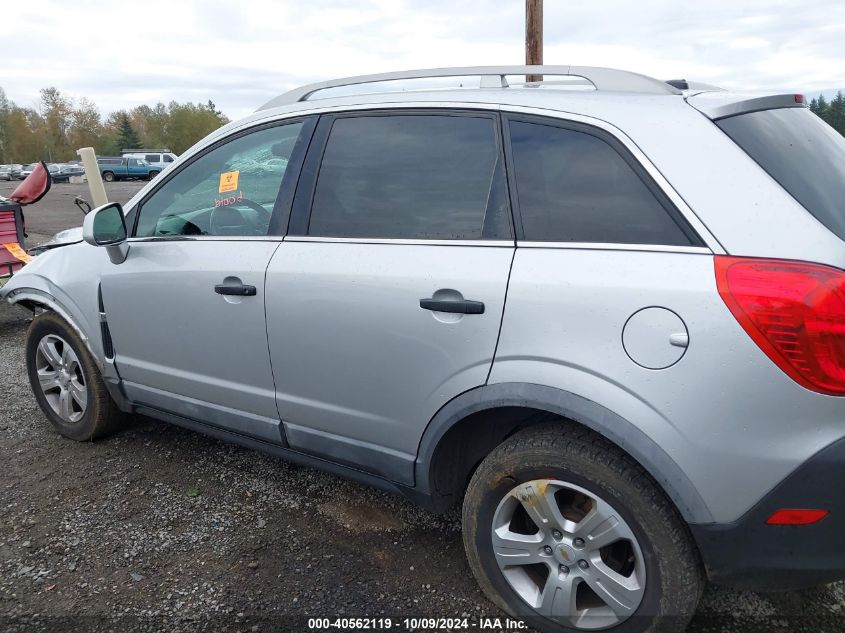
[64, 280]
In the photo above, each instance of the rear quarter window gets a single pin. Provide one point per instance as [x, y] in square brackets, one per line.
[802, 153]
[575, 187]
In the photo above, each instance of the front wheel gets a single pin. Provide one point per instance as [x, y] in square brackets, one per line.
[565, 531]
[152, 175]
[66, 382]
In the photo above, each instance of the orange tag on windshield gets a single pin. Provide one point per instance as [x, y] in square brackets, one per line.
[229, 181]
[15, 249]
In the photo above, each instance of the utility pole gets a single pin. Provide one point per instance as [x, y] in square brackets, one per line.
[534, 36]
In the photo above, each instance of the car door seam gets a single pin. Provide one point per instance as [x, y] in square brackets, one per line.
[501, 317]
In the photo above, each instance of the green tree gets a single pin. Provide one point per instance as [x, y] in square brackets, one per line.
[151, 124]
[59, 126]
[821, 106]
[213, 109]
[5, 116]
[25, 145]
[835, 115]
[189, 122]
[86, 129]
[833, 112]
[126, 136]
[55, 111]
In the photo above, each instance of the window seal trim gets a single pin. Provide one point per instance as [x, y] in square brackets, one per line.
[397, 241]
[309, 122]
[300, 216]
[639, 169]
[616, 246]
[599, 246]
[206, 238]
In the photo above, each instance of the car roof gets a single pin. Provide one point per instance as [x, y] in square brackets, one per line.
[583, 90]
[637, 104]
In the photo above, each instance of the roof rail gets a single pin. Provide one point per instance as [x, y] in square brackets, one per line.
[144, 150]
[601, 78]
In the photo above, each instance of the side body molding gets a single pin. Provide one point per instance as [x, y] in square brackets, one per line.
[569, 405]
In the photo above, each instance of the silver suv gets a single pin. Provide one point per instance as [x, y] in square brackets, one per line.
[609, 322]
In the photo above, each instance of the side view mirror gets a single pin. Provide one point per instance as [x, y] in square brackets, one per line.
[105, 226]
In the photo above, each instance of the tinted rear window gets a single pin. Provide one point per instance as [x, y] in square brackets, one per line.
[802, 152]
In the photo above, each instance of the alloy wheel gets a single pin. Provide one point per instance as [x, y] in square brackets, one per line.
[568, 554]
[61, 378]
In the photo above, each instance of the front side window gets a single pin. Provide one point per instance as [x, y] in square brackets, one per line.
[409, 176]
[231, 190]
[168, 158]
[574, 187]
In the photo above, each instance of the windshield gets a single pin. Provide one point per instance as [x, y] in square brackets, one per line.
[802, 152]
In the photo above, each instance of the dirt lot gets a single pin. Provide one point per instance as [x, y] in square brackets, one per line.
[161, 529]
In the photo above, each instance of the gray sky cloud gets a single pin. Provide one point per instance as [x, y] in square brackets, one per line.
[240, 54]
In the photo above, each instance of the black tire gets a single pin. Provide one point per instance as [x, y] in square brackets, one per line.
[108, 176]
[568, 452]
[152, 175]
[101, 415]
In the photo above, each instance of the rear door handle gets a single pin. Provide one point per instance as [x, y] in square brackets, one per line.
[237, 289]
[459, 306]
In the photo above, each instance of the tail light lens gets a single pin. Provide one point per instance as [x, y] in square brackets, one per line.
[794, 311]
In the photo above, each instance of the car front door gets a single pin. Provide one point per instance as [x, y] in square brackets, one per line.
[186, 308]
[385, 300]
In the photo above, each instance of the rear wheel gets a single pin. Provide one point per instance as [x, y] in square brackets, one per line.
[567, 532]
[66, 382]
[108, 176]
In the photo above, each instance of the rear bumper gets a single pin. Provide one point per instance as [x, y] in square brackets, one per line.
[753, 555]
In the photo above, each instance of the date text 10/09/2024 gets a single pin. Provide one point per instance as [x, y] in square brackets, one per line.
[417, 624]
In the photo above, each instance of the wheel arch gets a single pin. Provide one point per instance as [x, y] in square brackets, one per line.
[473, 423]
[35, 292]
[34, 300]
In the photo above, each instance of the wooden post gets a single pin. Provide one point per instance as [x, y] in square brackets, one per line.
[533, 36]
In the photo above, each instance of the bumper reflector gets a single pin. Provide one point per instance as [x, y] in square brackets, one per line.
[791, 516]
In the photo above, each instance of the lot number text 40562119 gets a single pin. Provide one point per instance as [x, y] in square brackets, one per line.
[417, 624]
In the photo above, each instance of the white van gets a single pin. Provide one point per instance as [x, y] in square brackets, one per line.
[161, 158]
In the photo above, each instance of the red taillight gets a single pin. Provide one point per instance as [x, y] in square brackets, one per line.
[789, 516]
[794, 311]
[799, 98]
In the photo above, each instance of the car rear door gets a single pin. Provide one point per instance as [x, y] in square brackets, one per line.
[186, 308]
[385, 300]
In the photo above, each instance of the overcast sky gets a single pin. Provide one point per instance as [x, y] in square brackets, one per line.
[240, 53]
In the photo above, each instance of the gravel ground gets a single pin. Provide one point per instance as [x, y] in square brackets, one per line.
[161, 529]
